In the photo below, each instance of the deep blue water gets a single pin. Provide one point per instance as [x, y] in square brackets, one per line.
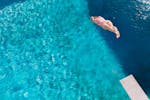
[133, 21]
[51, 50]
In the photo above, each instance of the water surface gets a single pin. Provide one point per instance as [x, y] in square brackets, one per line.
[50, 49]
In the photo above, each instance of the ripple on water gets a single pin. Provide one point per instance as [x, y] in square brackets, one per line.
[54, 54]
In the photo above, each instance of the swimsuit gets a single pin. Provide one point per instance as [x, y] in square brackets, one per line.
[101, 22]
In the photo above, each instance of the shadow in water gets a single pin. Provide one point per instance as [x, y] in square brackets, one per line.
[4, 3]
[132, 48]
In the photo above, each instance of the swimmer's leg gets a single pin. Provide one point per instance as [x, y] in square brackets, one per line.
[116, 32]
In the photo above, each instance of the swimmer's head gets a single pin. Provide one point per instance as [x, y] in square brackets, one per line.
[93, 18]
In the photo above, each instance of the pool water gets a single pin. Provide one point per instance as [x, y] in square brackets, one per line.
[132, 49]
[50, 50]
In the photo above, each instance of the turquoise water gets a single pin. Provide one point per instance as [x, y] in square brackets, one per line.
[50, 50]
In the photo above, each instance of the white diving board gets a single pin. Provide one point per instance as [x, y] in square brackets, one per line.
[133, 89]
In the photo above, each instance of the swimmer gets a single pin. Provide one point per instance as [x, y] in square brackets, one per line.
[105, 24]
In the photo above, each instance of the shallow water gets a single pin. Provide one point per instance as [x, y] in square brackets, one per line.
[50, 50]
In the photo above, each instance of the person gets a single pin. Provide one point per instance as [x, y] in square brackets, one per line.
[106, 25]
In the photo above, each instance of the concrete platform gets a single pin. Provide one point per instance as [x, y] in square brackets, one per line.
[133, 89]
